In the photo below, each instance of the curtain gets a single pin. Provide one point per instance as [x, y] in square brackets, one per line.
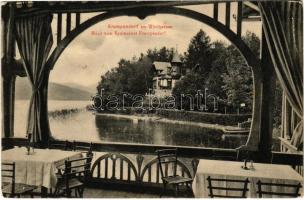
[34, 39]
[282, 24]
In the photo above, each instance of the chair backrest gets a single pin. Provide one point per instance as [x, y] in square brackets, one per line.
[8, 173]
[167, 158]
[80, 168]
[295, 187]
[239, 192]
[83, 149]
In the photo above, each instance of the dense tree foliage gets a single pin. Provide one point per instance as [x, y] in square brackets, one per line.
[216, 67]
[164, 54]
[185, 91]
[224, 72]
[214, 81]
[238, 80]
[277, 107]
[198, 56]
[133, 77]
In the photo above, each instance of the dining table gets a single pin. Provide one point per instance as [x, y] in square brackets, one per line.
[38, 168]
[265, 172]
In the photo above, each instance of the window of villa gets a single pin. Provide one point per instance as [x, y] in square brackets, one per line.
[169, 84]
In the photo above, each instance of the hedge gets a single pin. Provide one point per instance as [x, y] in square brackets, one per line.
[211, 118]
[193, 116]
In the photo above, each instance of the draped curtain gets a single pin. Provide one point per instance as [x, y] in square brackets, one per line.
[282, 24]
[34, 39]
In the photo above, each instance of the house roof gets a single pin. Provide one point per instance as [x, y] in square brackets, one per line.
[161, 66]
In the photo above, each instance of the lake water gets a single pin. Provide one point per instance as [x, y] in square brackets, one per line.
[85, 126]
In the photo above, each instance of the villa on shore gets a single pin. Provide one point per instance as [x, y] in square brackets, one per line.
[166, 74]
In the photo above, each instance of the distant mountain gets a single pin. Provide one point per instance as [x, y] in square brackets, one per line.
[90, 88]
[56, 91]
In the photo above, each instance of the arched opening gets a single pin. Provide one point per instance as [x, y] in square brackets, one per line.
[202, 18]
[260, 138]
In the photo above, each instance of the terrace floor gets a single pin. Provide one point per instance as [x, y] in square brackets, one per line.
[102, 193]
[116, 193]
[109, 193]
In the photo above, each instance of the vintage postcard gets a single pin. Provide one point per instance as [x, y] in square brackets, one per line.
[152, 99]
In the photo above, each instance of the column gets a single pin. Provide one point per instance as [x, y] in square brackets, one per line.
[8, 78]
[265, 143]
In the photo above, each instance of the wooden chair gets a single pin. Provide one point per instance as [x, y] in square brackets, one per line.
[168, 157]
[242, 190]
[76, 174]
[87, 150]
[67, 146]
[9, 187]
[262, 192]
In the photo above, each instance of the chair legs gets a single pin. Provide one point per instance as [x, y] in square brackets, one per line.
[69, 193]
[176, 190]
[17, 195]
[189, 188]
[79, 192]
[164, 190]
[75, 192]
[55, 193]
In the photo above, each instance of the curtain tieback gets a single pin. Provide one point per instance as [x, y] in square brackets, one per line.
[35, 90]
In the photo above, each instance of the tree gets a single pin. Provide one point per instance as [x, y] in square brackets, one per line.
[188, 86]
[130, 77]
[238, 81]
[198, 55]
[214, 81]
[224, 73]
[198, 59]
[277, 106]
[253, 42]
[133, 77]
[164, 54]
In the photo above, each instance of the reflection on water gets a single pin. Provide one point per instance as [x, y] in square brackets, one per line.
[149, 132]
[85, 126]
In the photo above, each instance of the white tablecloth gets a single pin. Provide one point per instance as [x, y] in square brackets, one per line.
[39, 168]
[232, 170]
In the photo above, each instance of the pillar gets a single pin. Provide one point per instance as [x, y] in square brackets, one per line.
[8, 77]
[44, 120]
[8, 99]
[268, 77]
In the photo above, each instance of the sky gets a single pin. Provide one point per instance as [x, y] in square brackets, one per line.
[91, 55]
